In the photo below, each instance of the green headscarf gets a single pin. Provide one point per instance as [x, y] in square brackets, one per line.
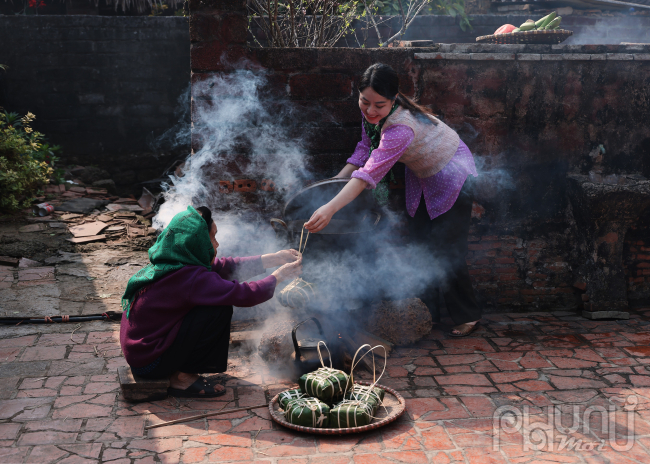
[373, 131]
[184, 242]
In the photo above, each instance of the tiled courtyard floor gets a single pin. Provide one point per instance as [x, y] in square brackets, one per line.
[61, 401]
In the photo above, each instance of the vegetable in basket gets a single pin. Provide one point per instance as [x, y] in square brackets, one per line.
[505, 29]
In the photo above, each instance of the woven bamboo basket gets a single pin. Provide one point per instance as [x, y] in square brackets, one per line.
[527, 37]
[393, 407]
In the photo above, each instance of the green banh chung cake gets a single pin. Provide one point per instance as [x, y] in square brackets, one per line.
[372, 396]
[326, 384]
[329, 398]
[289, 395]
[351, 413]
[308, 412]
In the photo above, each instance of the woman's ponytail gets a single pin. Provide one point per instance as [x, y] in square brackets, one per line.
[405, 102]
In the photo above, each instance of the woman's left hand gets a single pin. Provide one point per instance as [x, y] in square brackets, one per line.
[280, 258]
[319, 220]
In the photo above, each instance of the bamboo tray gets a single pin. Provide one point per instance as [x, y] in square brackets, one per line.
[394, 405]
[527, 37]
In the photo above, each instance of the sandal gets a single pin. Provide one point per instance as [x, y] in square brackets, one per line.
[194, 391]
[464, 329]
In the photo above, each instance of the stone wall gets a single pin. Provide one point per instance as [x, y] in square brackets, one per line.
[530, 114]
[102, 87]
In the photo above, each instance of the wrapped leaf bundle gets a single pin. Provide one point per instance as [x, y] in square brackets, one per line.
[308, 412]
[351, 413]
[325, 383]
[371, 395]
[289, 395]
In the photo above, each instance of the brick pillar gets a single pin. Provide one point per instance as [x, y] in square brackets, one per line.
[218, 32]
[218, 28]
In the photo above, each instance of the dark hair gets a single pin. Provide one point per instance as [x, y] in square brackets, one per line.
[384, 80]
[207, 215]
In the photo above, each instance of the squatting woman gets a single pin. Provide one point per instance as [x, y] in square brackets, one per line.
[177, 309]
[437, 166]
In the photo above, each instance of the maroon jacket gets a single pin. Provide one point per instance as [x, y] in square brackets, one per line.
[158, 310]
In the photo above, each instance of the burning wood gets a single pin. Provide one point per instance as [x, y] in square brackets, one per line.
[276, 344]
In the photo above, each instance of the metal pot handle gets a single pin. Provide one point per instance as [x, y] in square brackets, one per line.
[296, 348]
[279, 222]
[377, 220]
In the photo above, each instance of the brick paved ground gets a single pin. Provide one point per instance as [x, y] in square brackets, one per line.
[61, 400]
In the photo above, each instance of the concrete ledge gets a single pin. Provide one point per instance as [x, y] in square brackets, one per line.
[489, 56]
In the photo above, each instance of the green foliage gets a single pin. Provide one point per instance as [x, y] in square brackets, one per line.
[26, 163]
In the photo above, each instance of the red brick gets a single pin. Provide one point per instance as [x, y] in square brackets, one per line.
[449, 360]
[428, 371]
[395, 371]
[570, 383]
[463, 379]
[337, 444]
[478, 406]
[158, 445]
[37, 438]
[321, 85]
[467, 345]
[533, 385]
[45, 454]
[240, 439]
[640, 380]
[433, 409]
[9, 431]
[194, 454]
[410, 457]
[513, 376]
[207, 56]
[43, 353]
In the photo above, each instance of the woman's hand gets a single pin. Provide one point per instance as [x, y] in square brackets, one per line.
[319, 220]
[288, 271]
[279, 258]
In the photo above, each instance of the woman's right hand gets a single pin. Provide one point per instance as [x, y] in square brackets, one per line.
[288, 271]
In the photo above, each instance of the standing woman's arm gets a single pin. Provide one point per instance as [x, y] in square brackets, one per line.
[394, 141]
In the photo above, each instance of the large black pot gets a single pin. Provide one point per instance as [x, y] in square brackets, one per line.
[349, 235]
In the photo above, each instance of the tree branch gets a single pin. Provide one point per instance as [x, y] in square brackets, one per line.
[372, 18]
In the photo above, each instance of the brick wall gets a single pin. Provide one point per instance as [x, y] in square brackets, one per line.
[102, 87]
[530, 113]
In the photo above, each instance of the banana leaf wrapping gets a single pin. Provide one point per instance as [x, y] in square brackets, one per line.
[351, 413]
[289, 395]
[325, 383]
[373, 396]
[308, 412]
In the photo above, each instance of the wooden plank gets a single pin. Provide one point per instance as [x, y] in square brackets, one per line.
[362, 337]
[237, 338]
[88, 229]
[94, 238]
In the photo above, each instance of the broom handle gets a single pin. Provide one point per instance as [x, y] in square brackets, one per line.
[201, 416]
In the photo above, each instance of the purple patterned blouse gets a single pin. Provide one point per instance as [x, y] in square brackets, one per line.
[440, 190]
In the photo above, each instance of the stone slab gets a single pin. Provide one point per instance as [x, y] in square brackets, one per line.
[605, 315]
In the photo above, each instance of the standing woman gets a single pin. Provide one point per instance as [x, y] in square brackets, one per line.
[437, 166]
